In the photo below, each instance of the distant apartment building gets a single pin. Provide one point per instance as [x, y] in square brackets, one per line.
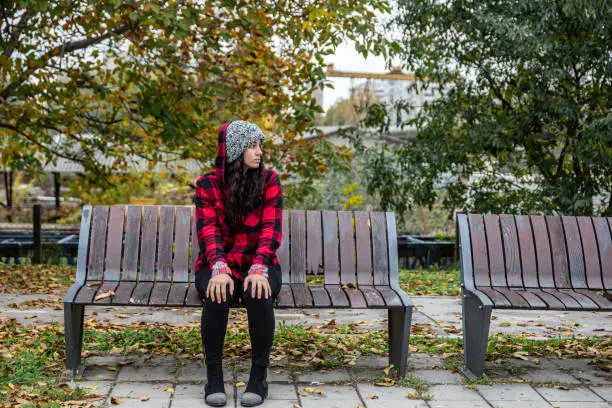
[412, 95]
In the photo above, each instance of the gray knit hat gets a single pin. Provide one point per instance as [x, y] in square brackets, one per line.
[238, 136]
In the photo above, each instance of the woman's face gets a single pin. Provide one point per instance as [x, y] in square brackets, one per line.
[252, 155]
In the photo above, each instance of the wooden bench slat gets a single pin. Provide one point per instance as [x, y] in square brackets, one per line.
[542, 249]
[478, 239]
[193, 297]
[148, 247]
[320, 297]
[104, 288]
[337, 296]
[132, 243]
[194, 245]
[372, 296]
[495, 264]
[498, 299]
[569, 302]
[559, 252]
[551, 301]
[590, 252]
[298, 247]
[177, 294]
[364, 248]
[356, 298]
[390, 297]
[347, 248]
[114, 243]
[604, 243]
[97, 246]
[314, 243]
[330, 248]
[585, 302]
[142, 293]
[380, 251]
[574, 252]
[527, 251]
[285, 297]
[283, 252]
[159, 294]
[164, 244]
[511, 251]
[180, 266]
[600, 301]
[513, 296]
[87, 293]
[534, 301]
[301, 294]
[123, 293]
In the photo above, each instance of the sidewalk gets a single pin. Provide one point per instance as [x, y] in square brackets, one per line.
[167, 382]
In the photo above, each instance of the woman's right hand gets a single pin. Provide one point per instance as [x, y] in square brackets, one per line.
[216, 287]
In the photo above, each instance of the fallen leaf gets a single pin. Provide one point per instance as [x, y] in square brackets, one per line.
[92, 387]
[240, 384]
[302, 393]
[388, 382]
[372, 396]
[92, 284]
[144, 398]
[116, 401]
[387, 369]
[521, 355]
[170, 390]
[314, 390]
[104, 295]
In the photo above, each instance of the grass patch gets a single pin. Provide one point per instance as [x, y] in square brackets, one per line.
[432, 281]
[443, 282]
[34, 279]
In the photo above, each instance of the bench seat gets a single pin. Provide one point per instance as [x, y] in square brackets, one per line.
[529, 262]
[133, 255]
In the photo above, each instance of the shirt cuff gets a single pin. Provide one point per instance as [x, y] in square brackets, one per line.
[220, 267]
[258, 269]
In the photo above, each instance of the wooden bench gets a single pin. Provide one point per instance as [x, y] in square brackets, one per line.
[529, 262]
[143, 255]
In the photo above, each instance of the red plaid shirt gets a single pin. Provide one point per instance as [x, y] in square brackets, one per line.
[255, 242]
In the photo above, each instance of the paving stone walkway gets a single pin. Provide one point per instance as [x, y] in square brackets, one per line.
[167, 382]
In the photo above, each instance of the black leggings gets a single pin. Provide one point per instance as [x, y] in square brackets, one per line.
[260, 315]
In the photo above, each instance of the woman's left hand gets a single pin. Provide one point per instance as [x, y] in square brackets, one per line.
[259, 284]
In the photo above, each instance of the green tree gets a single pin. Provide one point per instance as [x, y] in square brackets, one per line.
[153, 80]
[523, 124]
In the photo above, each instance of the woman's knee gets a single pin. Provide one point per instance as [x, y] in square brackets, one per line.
[254, 301]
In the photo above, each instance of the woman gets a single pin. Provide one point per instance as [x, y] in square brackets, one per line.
[238, 219]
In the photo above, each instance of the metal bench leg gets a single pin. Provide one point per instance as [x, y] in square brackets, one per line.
[73, 329]
[476, 321]
[399, 337]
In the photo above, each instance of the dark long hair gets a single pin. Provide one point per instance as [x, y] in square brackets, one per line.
[244, 190]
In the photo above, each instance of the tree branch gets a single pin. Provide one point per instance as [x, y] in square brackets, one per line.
[64, 48]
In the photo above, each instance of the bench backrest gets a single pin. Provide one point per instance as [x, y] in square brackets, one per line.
[155, 243]
[535, 251]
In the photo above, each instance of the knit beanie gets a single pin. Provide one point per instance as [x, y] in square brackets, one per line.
[238, 136]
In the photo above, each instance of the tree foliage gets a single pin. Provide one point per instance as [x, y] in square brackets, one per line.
[524, 123]
[153, 80]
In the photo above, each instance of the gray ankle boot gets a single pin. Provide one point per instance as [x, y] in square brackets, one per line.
[250, 399]
[217, 399]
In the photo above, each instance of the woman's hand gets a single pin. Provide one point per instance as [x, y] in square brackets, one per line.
[216, 287]
[259, 284]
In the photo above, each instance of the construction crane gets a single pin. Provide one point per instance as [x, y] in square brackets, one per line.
[395, 74]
